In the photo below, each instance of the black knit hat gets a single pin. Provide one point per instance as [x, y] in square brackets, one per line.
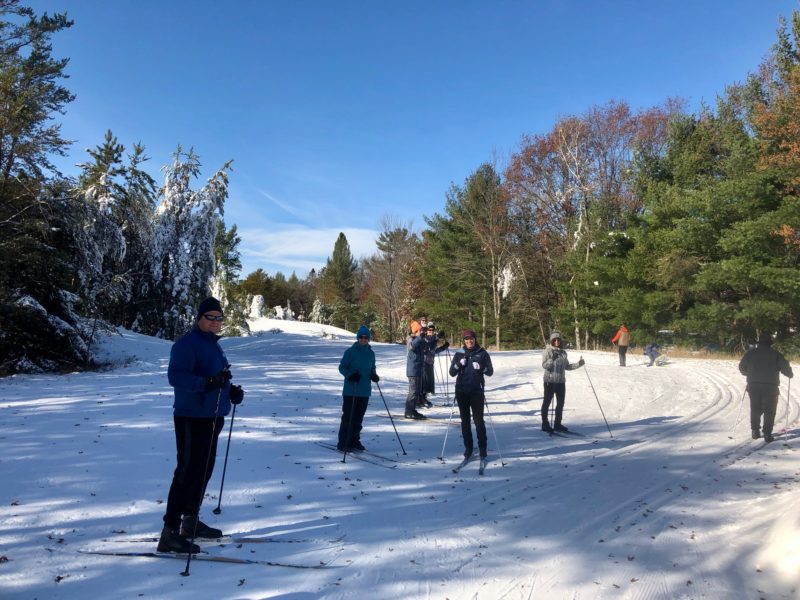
[208, 305]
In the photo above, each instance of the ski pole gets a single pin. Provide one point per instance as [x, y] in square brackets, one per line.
[390, 417]
[447, 379]
[349, 428]
[218, 510]
[440, 369]
[788, 391]
[447, 431]
[598, 399]
[491, 424]
[739, 416]
[185, 572]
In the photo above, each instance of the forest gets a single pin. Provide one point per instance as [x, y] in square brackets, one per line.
[681, 225]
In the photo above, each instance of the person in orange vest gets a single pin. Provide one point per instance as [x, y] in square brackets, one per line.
[622, 339]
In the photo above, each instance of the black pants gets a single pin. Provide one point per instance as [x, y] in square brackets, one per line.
[196, 443]
[428, 380]
[623, 350]
[763, 400]
[472, 401]
[414, 397]
[560, 391]
[353, 410]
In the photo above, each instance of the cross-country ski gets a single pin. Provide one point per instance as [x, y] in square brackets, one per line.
[211, 558]
[373, 459]
[463, 464]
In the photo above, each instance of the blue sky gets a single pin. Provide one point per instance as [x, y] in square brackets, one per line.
[337, 114]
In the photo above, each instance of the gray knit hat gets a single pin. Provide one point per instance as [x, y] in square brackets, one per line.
[555, 335]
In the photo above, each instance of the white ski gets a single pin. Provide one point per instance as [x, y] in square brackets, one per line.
[463, 462]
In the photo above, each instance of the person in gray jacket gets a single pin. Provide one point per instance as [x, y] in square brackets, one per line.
[762, 366]
[555, 364]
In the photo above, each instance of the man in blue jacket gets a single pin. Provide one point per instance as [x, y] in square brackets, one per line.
[358, 368]
[200, 374]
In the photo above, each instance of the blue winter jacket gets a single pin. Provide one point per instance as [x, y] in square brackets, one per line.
[416, 356]
[469, 376]
[357, 359]
[193, 358]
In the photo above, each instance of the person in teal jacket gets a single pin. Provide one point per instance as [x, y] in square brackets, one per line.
[358, 368]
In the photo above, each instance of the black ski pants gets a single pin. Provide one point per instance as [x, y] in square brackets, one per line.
[474, 402]
[353, 410]
[560, 392]
[414, 394]
[763, 401]
[196, 444]
[623, 350]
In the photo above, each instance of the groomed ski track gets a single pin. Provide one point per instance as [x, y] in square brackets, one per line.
[667, 508]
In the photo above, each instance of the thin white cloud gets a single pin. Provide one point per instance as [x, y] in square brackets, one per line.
[298, 248]
[295, 211]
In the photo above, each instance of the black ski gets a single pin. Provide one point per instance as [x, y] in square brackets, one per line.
[570, 432]
[482, 468]
[427, 419]
[381, 462]
[556, 433]
[210, 558]
[463, 464]
[367, 452]
[225, 539]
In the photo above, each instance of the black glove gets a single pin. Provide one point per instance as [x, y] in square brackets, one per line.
[581, 362]
[217, 381]
[446, 345]
[355, 377]
[374, 377]
[237, 394]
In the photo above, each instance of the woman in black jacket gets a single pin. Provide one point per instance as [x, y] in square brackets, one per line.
[469, 366]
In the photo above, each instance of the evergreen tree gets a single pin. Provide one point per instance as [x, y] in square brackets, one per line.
[386, 275]
[30, 93]
[39, 328]
[182, 251]
[339, 273]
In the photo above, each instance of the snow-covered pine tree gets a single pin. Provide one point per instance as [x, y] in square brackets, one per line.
[257, 307]
[319, 313]
[99, 241]
[182, 250]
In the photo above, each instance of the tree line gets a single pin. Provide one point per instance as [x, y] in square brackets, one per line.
[674, 223]
[681, 225]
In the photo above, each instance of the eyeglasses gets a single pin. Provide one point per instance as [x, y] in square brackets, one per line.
[469, 339]
[214, 317]
[363, 337]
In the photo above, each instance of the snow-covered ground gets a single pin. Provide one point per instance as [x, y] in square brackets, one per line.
[680, 503]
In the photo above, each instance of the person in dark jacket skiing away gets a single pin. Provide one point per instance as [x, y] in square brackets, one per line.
[358, 368]
[200, 374]
[469, 366]
[762, 366]
[555, 365]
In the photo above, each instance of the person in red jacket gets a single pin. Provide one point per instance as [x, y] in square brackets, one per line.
[622, 338]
